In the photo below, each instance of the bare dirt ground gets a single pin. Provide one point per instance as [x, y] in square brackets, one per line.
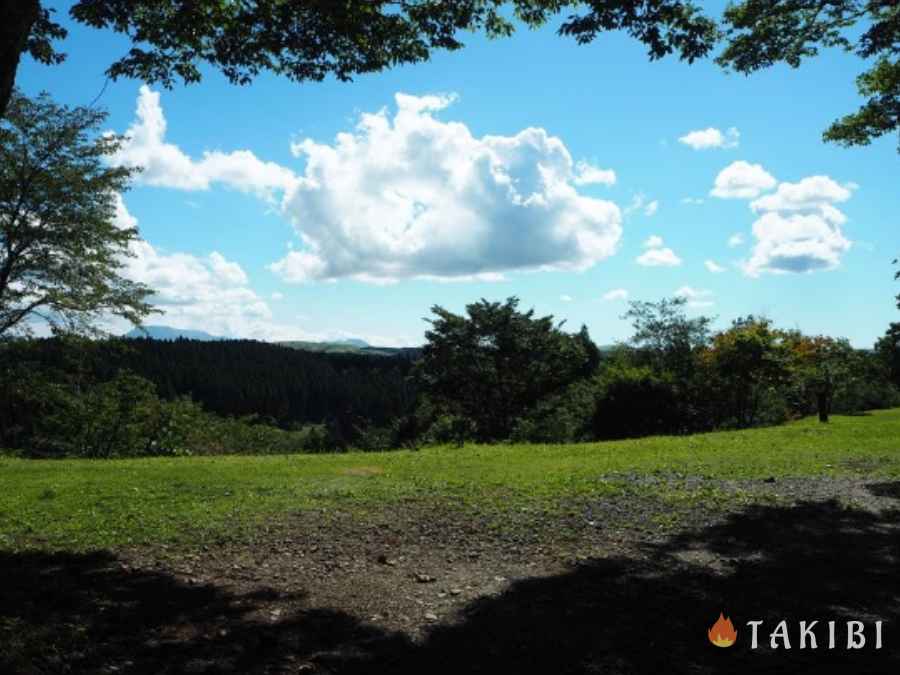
[622, 585]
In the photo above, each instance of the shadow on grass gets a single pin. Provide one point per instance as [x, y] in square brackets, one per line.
[648, 614]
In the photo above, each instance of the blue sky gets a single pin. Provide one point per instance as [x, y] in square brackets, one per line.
[566, 175]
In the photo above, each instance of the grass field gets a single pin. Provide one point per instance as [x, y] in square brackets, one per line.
[87, 504]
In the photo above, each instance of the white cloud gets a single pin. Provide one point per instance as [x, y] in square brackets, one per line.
[209, 293]
[736, 240]
[799, 229]
[615, 294]
[713, 266]
[585, 174]
[696, 298]
[811, 193]
[659, 257]
[166, 165]
[692, 200]
[229, 272]
[412, 196]
[123, 219]
[656, 255]
[277, 296]
[795, 243]
[566, 298]
[639, 202]
[741, 180]
[705, 139]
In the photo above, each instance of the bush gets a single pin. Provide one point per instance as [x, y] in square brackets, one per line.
[634, 401]
[566, 417]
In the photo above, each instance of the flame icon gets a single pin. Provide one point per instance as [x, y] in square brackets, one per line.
[722, 632]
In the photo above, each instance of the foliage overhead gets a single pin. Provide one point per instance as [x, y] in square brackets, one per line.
[61, 251]
[761, 33]
[311, 40]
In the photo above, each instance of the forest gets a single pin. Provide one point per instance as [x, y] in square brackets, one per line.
[495, 374]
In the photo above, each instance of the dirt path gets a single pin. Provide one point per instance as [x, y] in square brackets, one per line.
[624, 585]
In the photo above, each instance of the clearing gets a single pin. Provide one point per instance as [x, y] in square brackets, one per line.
[608, 557]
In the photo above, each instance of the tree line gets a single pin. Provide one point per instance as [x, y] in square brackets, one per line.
[330, 398]
[482, 378]
[493, 374]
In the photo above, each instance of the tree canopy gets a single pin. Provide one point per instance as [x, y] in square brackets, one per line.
[496, 363]
[761, 33]
[172, 39]
[311, 40]
[61, 250]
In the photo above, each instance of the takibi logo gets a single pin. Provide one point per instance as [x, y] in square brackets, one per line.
[722, 633]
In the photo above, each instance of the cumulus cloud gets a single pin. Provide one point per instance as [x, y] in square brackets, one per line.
[696, 298]
[706, 139]
[566, 298]
[657, 255]
[199, 292]
[651, 208]
[209, 292]
[742, 180]
[123, 219]
[799, 229]
[713, 266]
[615, 294]
[814, 193]
[585, 174]
[795, 243]
[409, 196]
[166, 165]
[735, 240]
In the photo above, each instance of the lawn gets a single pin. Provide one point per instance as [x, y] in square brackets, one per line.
[88, 504]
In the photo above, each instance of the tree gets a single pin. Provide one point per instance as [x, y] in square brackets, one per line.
[665, 335]
[760, 33]
[496, 364]
[747, 361]
[315, 38]
[821, 365]
[61, 251]
[897, 276]
[888, 350]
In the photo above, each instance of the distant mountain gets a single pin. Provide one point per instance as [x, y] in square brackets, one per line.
[353, 342]
[169, 333]
[351, 346]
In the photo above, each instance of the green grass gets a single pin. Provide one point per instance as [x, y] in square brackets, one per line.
[81, 504]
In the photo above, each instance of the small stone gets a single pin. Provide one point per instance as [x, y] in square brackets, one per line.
[425, 578]
[455, 591]
[431, 616]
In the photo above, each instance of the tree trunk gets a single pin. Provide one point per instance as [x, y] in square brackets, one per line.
[16, 19]
[823, 403]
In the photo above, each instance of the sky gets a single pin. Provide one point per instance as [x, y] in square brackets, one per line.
[577, 178]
